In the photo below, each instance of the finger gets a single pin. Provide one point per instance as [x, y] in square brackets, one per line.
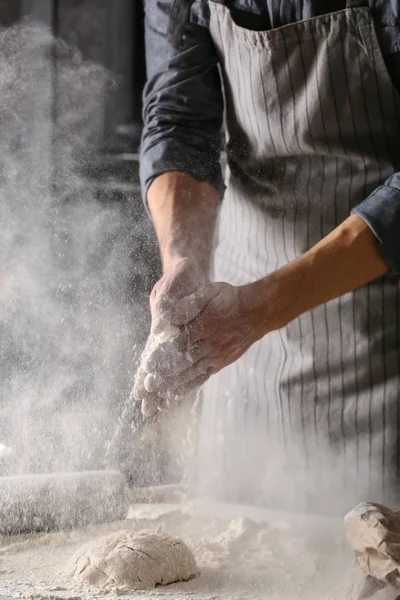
[156, 351]
[188, 308]
[197, 332]
[149, 407]
[138, 385]
[167, 376]
[159, 379]
[161, 300]
[148, 402]
[193, 385]
[163, 357]
[161, 323]
[197, 351]
[164, 370]
[139, 395]
[154, 341]
[159, 305]
[172, 286]
[170, 366]
[153, 382]
[181, 341]
[189, 335]
[160, 313]
[202, 367]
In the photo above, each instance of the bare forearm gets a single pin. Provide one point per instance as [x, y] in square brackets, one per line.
[346, 259]
[184, 212]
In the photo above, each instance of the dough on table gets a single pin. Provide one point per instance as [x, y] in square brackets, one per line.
[134, 560]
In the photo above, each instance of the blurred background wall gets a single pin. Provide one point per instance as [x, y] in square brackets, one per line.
[76, 398]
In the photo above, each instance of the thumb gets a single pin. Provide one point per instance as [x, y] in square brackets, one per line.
[188, 308]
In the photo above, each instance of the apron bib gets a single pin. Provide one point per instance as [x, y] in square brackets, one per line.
[309, 418]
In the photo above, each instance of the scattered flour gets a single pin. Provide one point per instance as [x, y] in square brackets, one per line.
[260, 555]
[134, 560]
[5, 451]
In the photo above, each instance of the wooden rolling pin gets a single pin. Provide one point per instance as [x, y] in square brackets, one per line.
[61, 500]
[33, 503]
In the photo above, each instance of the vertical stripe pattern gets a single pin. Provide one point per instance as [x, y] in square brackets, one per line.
[313, 127]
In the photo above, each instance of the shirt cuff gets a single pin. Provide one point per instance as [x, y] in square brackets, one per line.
[172, 155]
[381, 212]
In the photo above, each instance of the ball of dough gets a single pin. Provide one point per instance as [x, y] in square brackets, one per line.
[133, 560]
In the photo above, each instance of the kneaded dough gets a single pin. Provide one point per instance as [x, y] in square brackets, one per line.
[134, 560]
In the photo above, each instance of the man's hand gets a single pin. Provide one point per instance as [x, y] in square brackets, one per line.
[184, 212]
[182, 279]
[219, 322]
[200, 327]
[217, 325]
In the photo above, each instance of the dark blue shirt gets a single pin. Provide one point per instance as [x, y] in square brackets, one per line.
[183, 102]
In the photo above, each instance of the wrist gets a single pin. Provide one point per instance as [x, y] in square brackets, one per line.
[178, 246]
[262, 304]
[173, 261]
[277, 299]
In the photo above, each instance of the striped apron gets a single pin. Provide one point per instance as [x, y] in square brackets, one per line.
[308, 418]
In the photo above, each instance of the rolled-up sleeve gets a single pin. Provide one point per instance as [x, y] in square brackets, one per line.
[381, 212]
[183, 102]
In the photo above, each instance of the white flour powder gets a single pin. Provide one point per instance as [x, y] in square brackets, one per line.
[265, 556]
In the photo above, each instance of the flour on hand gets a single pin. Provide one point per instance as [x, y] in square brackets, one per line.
[133, 560]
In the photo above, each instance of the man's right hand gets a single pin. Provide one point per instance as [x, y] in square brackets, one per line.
[181, 279]
[184, 212]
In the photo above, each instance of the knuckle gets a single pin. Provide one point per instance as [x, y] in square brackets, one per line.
[192, 337]
[193, 355]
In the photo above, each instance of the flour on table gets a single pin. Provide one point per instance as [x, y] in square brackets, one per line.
[242, 553]
[133, 560]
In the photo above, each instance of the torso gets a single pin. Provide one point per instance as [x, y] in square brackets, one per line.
[314, 125]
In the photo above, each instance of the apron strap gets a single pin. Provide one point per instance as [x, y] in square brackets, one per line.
[357, 4]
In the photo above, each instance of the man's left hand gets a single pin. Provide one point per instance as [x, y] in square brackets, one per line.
[217, 325]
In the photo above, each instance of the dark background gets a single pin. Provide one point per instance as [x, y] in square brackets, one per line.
[106, 31]
[109, 32]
